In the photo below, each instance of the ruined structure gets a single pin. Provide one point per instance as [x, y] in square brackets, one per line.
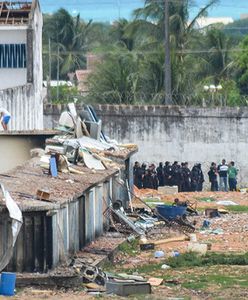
[21, 63]
[75, 214]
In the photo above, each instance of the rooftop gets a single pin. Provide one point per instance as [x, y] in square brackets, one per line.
[24, 181]
[15, 12]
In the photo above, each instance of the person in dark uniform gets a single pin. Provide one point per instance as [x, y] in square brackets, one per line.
[167, 173]
[160, 174]
[194, 178]
[213, 178]
[148, 181]
[176, 174]
[138, 175]
[197, 178]
[186, 178]
[201, 179]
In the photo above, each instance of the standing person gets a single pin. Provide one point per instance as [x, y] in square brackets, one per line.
[148, 180]
[175, 173]
[201, 179]
[194, 178]
[167, 173]
[223, 171]
[212, 174]
[232, 176]
[181, 185]
[138, 175]
[5, 117]
[160, 174]
[186, 177]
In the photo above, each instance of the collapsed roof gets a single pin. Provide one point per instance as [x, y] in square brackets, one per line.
[15, 12]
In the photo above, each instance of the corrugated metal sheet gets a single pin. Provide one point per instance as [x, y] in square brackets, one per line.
[47, 237]
[25, 107]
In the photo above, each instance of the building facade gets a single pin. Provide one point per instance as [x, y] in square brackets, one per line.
[21, 63]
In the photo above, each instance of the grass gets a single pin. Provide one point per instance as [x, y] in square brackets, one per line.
[206, 199]
[198, 282]
[237, 208]
[130, 248]
[214, 274]
[191, 259]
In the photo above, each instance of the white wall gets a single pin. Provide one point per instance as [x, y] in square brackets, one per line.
[24, 100]
[13, 77]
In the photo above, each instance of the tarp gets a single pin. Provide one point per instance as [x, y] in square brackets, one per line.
[16, 216]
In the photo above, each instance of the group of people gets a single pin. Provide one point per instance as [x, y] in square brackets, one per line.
[227, 174]
[169, 175]
[185, 179]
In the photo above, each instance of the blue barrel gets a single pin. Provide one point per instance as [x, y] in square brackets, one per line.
[7, 286]
[170, 212]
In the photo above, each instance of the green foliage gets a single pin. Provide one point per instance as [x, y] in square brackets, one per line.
[238, 29]
[129, 248]
[242, 63]
[237, 208]
[67, 37]
[66, 94]
[191, 259]
[132, 71]
[116, 79]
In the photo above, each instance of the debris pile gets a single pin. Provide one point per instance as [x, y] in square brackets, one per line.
[82, 142]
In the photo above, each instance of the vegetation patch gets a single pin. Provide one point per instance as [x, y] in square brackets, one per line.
[129, 248]
[191, 259]
[237, 208]
[206, 199]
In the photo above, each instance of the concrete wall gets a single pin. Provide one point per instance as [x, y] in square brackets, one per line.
[15, 149]
[177, 133]
[13, 77]
[21, 89]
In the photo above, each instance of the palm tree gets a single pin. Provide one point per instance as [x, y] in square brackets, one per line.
[149, 23]
[68, 38]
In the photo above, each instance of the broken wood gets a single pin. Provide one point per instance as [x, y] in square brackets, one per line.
[43, 195]
[151, 244]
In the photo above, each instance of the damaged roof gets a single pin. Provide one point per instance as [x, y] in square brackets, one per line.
[24, 181]
[16, 12]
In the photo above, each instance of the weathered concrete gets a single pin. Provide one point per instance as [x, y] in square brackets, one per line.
[177, 133]
[21, 89]
[15, 147]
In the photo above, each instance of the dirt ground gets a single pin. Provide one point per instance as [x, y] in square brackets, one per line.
[226, 234]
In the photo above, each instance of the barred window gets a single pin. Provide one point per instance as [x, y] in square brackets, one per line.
[13, 56]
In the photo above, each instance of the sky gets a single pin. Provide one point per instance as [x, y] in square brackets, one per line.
[110, 10]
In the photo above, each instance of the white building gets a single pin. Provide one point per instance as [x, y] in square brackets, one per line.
[206, 21]
[21, 63]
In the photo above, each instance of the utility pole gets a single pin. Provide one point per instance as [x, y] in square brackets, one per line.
[58, 74]
[49, 71]
[167, 66]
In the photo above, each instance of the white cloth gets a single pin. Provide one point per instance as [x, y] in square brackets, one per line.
[4, 112]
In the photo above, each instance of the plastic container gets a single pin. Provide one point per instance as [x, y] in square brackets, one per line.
[159, 254]
[170, 212]
[193, 237]
[175, 253]
[7, 285]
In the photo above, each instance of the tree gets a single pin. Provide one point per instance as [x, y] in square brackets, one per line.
[242, 64]
[149, 22]
[69, 36]
[116, 79]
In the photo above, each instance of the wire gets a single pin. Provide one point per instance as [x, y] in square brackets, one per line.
[189, 51]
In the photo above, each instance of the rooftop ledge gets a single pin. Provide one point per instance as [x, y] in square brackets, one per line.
[28, 132]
